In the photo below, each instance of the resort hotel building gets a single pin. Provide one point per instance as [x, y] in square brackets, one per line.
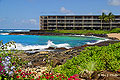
[77, 22]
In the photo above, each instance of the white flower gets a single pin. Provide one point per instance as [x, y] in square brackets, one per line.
[11, 72]
[6, 71]
[12, 67]
[7, 59]
[8, 62]
[3, 61]
[6, 68]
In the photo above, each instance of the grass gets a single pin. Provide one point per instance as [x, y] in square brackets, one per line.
[116, 30]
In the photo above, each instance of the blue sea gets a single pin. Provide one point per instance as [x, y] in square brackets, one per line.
[27, 42]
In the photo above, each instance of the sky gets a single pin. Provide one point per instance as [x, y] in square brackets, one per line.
[24, 14]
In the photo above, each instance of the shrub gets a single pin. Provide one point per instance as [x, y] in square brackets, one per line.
[116, 30]
[105, 58]
[8, 62]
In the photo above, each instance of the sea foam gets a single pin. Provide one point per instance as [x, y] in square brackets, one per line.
[97, 41]
[40, 47]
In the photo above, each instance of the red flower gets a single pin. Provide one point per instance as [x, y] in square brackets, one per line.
[30, 73]
[15, 71]
[21, 73]
[51, 73]
[42, 77]
[60, 75]
[47, 74]
[60, 78]
[52, 77]
[69, 79]
[39, 77]
[57, 76]
[75, 75]
[19, 70]
[17, 76]
[47, 77]
[24, 76]
[32, 79]
[43, 72]
[63, 77]
[72, 77]
[77, 79]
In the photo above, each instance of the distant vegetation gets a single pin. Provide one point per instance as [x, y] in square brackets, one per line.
[116, 30]
[107, 18]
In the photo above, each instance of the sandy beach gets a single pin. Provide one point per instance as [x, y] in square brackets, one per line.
[114, 35]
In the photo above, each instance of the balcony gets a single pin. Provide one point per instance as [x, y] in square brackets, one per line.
[88, 18]
[60, 18]
[69, 18]
[51, 18]
[78, 18]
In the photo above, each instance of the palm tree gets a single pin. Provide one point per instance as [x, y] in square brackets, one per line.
[102, 18]
[109, 18]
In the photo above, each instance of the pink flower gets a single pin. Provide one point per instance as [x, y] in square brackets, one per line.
[76, 75]
[77, 79]
[57, 76]
[47, 77]
[69, 79]
[72, 77]
[52, 77]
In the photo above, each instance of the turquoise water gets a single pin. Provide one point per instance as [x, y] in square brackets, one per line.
[26, 42]
[29, 41]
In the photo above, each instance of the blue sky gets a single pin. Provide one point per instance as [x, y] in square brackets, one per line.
[24, 14]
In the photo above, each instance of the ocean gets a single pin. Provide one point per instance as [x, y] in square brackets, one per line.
[27, 42]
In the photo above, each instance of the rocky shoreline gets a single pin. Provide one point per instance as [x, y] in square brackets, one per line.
[57, 55]
[40, 60]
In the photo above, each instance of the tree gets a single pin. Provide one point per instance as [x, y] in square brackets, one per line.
[109, 18]
[102, 18]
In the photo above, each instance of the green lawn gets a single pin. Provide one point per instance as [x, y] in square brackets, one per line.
[116, 30]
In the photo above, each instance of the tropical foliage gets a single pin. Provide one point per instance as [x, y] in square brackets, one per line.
[93, 59]
[8, 62]
[107, 18]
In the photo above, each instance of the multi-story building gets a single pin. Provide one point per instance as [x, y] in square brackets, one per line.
[77, 22]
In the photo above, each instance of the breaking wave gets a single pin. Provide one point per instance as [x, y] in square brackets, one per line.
[40, 47]
[14, 30]
[97, 41]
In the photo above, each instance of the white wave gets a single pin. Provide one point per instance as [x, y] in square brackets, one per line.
[4, 33]
[78, 35]
[20, 30]
[40, 47]
[14, 31]
[97, 41]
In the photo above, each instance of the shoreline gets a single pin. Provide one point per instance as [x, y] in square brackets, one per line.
[107, 37]
[105, 42]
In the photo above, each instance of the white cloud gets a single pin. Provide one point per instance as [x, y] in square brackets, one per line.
[30, 21]
[33, 21]
[65, 11]
[105, 11]
[114, 2]
[2, 19]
